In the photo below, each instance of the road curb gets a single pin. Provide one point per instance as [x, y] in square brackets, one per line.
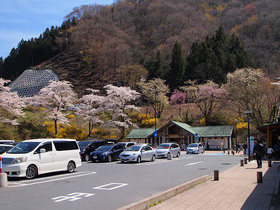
[157, 198]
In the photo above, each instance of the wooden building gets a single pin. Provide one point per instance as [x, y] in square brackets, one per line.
[213, 137]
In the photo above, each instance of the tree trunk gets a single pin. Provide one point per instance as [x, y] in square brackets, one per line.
[55, 126]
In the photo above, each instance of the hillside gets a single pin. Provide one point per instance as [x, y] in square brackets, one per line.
[90, 52]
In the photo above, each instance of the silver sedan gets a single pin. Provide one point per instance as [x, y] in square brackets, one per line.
[138, 153]
[168, 148]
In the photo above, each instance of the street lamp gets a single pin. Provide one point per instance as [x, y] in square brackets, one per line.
[155, 134]
[248, 120]
[236, 135]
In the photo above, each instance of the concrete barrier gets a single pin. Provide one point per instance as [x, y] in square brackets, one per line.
[3, 180]
[3, 176]
[169, 156]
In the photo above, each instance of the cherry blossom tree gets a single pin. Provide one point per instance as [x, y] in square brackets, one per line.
[155, 92]
[10, 104]
[55, 98]
[253, 91]
[178, 97]
[89, 108]
[209, 98]
[117, 103]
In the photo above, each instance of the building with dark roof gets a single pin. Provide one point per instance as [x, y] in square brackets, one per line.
[30, 82]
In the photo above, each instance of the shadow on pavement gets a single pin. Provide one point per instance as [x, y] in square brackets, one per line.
[266, 194]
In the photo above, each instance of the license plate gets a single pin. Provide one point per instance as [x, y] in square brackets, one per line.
[94, 157]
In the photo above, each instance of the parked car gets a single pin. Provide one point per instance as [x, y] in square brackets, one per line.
[126, 144]
[11, 142]
[138, 153]
[5, 148]
[30, 158]
[168, 148]
[106, 153]
[195, 148]
[90, 147]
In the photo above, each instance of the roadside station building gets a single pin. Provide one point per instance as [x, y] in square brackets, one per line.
[213, 137]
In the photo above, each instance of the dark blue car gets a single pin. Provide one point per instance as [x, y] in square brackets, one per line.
[106, 153]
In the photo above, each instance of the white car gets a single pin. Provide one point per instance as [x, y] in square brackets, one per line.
[30, 158]
[168, 148]
[195, 148]
[138, 153]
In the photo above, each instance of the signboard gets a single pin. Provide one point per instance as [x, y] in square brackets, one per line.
[251, 145]
[155, 134]
[196, 137]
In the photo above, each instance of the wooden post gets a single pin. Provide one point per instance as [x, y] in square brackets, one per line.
[216, 175]
[269, 163]
[259, 176]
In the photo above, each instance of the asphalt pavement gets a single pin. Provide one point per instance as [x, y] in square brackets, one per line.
[240, 187]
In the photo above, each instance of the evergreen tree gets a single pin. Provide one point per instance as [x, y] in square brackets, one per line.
[157, 68]
[215, 57]
[175, 76]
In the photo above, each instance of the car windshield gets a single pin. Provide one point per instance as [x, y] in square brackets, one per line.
[121, 144]
[193, 145]
[83, 144]
[104, 148]
[4, 149]
[133, 148]
[163, 146]
[23, 147]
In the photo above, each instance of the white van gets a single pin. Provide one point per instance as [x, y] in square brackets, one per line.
[30, 158]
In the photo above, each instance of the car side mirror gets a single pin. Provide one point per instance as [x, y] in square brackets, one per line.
[143, 150]
[42, 150]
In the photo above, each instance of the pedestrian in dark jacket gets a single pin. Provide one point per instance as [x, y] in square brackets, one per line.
[259, 151]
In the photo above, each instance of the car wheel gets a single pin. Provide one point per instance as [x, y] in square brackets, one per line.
[178, 154]
[138, 159]
[31, 172]
[153, 158]
[87, 157]
[122, 161]
[71, 167]
[109, 158]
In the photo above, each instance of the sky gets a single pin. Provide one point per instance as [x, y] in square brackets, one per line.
[24, 19]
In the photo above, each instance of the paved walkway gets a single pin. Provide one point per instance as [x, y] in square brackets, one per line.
[237, 188]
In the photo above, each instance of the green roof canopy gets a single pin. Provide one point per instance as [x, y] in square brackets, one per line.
[202, 131]
[141, 133]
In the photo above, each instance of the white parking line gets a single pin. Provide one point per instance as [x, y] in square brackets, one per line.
[190, 164]
[160, 161]
[110, 186]
[48, 179]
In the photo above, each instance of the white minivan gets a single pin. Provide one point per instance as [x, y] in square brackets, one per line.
[30, 158]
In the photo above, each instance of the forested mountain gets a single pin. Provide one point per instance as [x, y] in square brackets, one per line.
[97, 45]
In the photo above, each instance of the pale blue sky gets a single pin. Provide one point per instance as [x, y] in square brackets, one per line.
[24, 19]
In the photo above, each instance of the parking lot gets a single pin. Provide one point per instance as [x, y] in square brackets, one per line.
[109, 185]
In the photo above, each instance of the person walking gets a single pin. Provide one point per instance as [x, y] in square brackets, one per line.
[277, 150]
[259, 151]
